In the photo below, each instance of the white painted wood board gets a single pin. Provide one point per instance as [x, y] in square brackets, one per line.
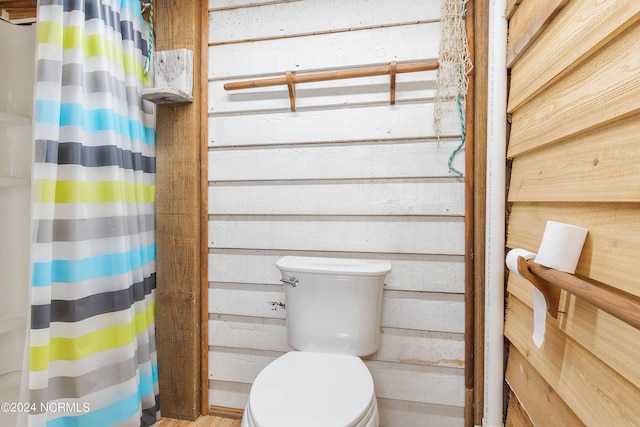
[392, 381]
[415, 414]
[248, 332]
[348, 161]
[400, 309]
[247, 300]
[423, 311]
[226, 4]
[277, 20]
[410, 272]
[396, 345]
[228, 394]
[421, 347]
[418, 383]
[324, 51]
[443, 197]
[426, 235]
[238, 365]
[392, 412]
[369, 123]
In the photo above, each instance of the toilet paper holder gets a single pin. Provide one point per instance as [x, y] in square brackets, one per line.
[550, 281]
[551, 293]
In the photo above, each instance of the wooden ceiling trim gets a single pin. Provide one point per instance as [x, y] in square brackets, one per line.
[18, 11]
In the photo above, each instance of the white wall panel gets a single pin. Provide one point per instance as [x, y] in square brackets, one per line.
[324, 51]
[392, 381]
[372, 123]
[248, 332]
[243, 365]
[403, 413]
[228, 394]
[418, 383]
[426, 235]
[346, 175]
[277, 20]
[392, 412]
[423, 311]
[400, 309]
[396, 345]
[366, 160]
[421, 347]
[247, 300]
[363, 197]
[432, 273]
[225, 4]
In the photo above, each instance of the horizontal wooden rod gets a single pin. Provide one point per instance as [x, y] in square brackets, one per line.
[612, 303]
[378, 70]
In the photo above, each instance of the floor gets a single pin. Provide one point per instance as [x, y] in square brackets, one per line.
[206, 421]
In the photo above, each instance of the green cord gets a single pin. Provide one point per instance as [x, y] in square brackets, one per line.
[147, 64]
[463, 131]
[464, 137]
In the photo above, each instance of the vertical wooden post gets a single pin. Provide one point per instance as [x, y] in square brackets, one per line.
[204, 206]
[179, 207]
[481, 48]
[469, 291]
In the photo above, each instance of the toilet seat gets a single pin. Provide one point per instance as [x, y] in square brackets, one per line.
[312, 389]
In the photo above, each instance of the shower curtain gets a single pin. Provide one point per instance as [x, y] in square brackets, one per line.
[92, 356]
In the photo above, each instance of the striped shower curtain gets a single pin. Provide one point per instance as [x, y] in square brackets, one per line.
[92, 356]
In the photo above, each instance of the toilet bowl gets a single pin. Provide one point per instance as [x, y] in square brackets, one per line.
[312, 390]
[333, 309]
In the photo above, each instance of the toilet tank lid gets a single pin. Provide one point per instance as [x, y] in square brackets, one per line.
[359, 267]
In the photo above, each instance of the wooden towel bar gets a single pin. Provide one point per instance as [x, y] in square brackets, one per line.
[290, 79]
[550, 281]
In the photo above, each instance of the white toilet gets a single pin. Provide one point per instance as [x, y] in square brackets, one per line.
[333, 317]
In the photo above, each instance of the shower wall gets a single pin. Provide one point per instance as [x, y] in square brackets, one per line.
[16, 105]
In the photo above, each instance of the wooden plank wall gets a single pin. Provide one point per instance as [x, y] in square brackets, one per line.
[574, 101]
[346, 175]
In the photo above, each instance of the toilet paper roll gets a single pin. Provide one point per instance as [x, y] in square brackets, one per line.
[539, 317]
[561, 246]
[512, 259]
[560, 249]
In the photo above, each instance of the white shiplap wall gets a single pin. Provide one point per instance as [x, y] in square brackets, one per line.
[346, 175]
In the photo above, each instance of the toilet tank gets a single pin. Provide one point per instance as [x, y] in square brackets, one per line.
[335, 305]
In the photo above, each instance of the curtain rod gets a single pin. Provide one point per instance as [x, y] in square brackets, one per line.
[290, 79]
[549, 281]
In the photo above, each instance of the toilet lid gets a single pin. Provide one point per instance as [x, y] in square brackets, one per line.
[311, 389]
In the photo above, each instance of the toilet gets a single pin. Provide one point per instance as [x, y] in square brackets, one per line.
[333, 311]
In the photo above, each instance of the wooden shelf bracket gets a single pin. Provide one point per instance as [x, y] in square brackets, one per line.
[550, 281]
[290, 79]
[393, 69]
[292, 90]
